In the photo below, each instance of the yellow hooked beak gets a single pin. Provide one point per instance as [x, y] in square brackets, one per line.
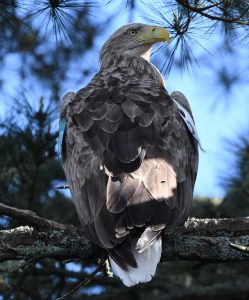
[154, 34]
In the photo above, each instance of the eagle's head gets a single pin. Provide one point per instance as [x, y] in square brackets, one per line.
[133, 40]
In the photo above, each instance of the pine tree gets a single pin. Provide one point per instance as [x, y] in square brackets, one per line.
[45, 40]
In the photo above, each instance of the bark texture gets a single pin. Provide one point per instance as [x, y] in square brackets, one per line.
[206, 240]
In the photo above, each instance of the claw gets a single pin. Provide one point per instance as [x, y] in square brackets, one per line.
[240, 247]
[107, 269]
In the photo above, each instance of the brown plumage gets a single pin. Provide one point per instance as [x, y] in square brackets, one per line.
[129, 158]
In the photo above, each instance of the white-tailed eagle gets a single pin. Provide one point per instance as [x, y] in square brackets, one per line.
[130, 153]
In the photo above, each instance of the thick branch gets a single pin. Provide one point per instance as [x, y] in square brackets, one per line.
[207, 240]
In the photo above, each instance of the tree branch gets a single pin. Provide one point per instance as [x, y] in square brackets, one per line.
[29, 217]
[206, 240]
[201, 11]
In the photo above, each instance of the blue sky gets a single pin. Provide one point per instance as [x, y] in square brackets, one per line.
[214, 124]
[214, 127]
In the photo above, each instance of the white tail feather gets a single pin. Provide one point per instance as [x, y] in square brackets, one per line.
[146, 265]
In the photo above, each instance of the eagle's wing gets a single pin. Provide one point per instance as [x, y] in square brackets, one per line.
[186, 114]
[130, 161]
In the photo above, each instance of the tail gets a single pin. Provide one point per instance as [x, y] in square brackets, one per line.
[146, 265]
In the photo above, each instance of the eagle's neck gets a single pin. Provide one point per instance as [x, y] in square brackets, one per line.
[146, 55]
[141, 64]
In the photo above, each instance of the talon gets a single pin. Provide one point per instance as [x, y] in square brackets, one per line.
[240, 247]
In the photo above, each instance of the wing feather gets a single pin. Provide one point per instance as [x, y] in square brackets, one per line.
[130, 161]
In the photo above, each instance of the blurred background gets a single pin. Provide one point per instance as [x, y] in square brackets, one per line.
[51, 47]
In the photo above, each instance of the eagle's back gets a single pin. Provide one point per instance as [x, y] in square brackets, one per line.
[130, 161]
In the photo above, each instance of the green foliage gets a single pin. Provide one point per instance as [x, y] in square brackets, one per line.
[25, 170]
[29, 173]
[205, 207]
[236, 202]
[46, 38]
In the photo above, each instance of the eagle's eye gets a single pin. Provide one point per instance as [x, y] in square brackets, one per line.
[132, 32]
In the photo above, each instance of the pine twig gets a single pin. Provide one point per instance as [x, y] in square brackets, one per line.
[202, 12]
[84, 282]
